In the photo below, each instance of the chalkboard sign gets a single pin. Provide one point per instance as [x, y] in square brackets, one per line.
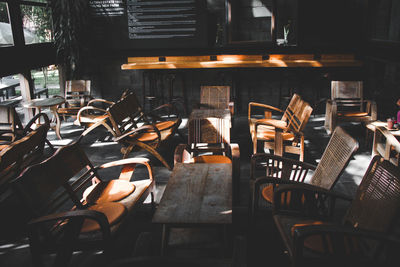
[148, 24]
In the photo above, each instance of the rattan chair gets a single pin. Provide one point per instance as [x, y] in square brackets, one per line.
[216, 97]
[307, 219]
[268, 171]
[62, 220]
[347, 104]
[284, 135]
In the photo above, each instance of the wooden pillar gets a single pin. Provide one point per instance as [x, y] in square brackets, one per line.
[25, 81]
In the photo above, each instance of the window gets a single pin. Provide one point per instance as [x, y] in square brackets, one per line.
[37, 22]
[6, 37]
[249, 21]
[46, 77]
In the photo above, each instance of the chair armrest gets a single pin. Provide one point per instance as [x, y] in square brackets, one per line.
[268, 109]
[306, 200]
[28, 126]
[88, 108]
[129, 162]
[97, 216]
[100, 100]
[182, 153]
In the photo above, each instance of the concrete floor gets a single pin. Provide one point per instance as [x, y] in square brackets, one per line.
[261, 242]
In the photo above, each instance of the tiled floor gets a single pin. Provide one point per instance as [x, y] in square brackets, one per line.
[262, 244]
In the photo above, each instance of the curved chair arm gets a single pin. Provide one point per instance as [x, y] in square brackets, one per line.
[271, 122]
[144, 128]
[28, 126]
[99, 100]
[87, 109]
[182, 153]
[97, 216]
[129, 162]
[269, 109]
[306, 200]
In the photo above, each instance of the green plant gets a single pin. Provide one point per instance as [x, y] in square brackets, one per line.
[70, 19]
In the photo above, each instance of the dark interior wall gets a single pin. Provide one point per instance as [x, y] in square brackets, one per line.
[262, 85]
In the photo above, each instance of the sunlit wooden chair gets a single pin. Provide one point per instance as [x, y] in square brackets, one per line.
[64, 220]
[267, 171]
[284, 135]
[77, 95]
[315, 234]
[134, 129]
[347, 104]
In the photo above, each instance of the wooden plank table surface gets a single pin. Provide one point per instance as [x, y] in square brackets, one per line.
[196, 195]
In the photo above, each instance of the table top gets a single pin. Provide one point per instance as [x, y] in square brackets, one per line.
[210, 113]
[199, 193]
[43, 102]
[10, 103]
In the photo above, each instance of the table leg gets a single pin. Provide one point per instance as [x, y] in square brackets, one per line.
[164, 239]
[53, 109]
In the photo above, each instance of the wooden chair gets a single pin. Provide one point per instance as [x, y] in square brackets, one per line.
[267, 172]
[132, 128]
[17, 155]
[306, 219]
[387, 144]
[348, 105]
[216, 97]
[64, 221]
[94, 112]
[77, 95]
[285, 135]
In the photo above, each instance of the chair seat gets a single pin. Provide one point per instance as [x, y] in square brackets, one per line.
[147, 137]
[211, 159]
[112, 210]
[314, 242]
[113, 190]
[353, 114]
[165, 125]
[91, 118]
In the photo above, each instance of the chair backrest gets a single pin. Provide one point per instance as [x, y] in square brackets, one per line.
[291, 107]
[347, 90]
[22, 153]
[51, 184]
[215, 97]
[297, 120]
[124, 112]
[77, 92]
[335, 158]
[377, 200]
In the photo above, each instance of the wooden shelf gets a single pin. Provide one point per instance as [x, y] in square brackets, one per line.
[242, 61]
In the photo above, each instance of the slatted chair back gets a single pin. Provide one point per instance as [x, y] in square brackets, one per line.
[335, 158]
[215, 97]
[77, 92]
[377, 199]
[21, 153]
[349, 94]
[298, 118]
[55, 182]
[125, 113]
[291, 107]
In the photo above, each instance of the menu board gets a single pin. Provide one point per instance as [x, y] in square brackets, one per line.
[149, 24]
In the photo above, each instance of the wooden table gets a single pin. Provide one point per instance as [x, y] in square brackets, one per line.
[196, 195]
[209, 126]
[386, 144]
[51, 103]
